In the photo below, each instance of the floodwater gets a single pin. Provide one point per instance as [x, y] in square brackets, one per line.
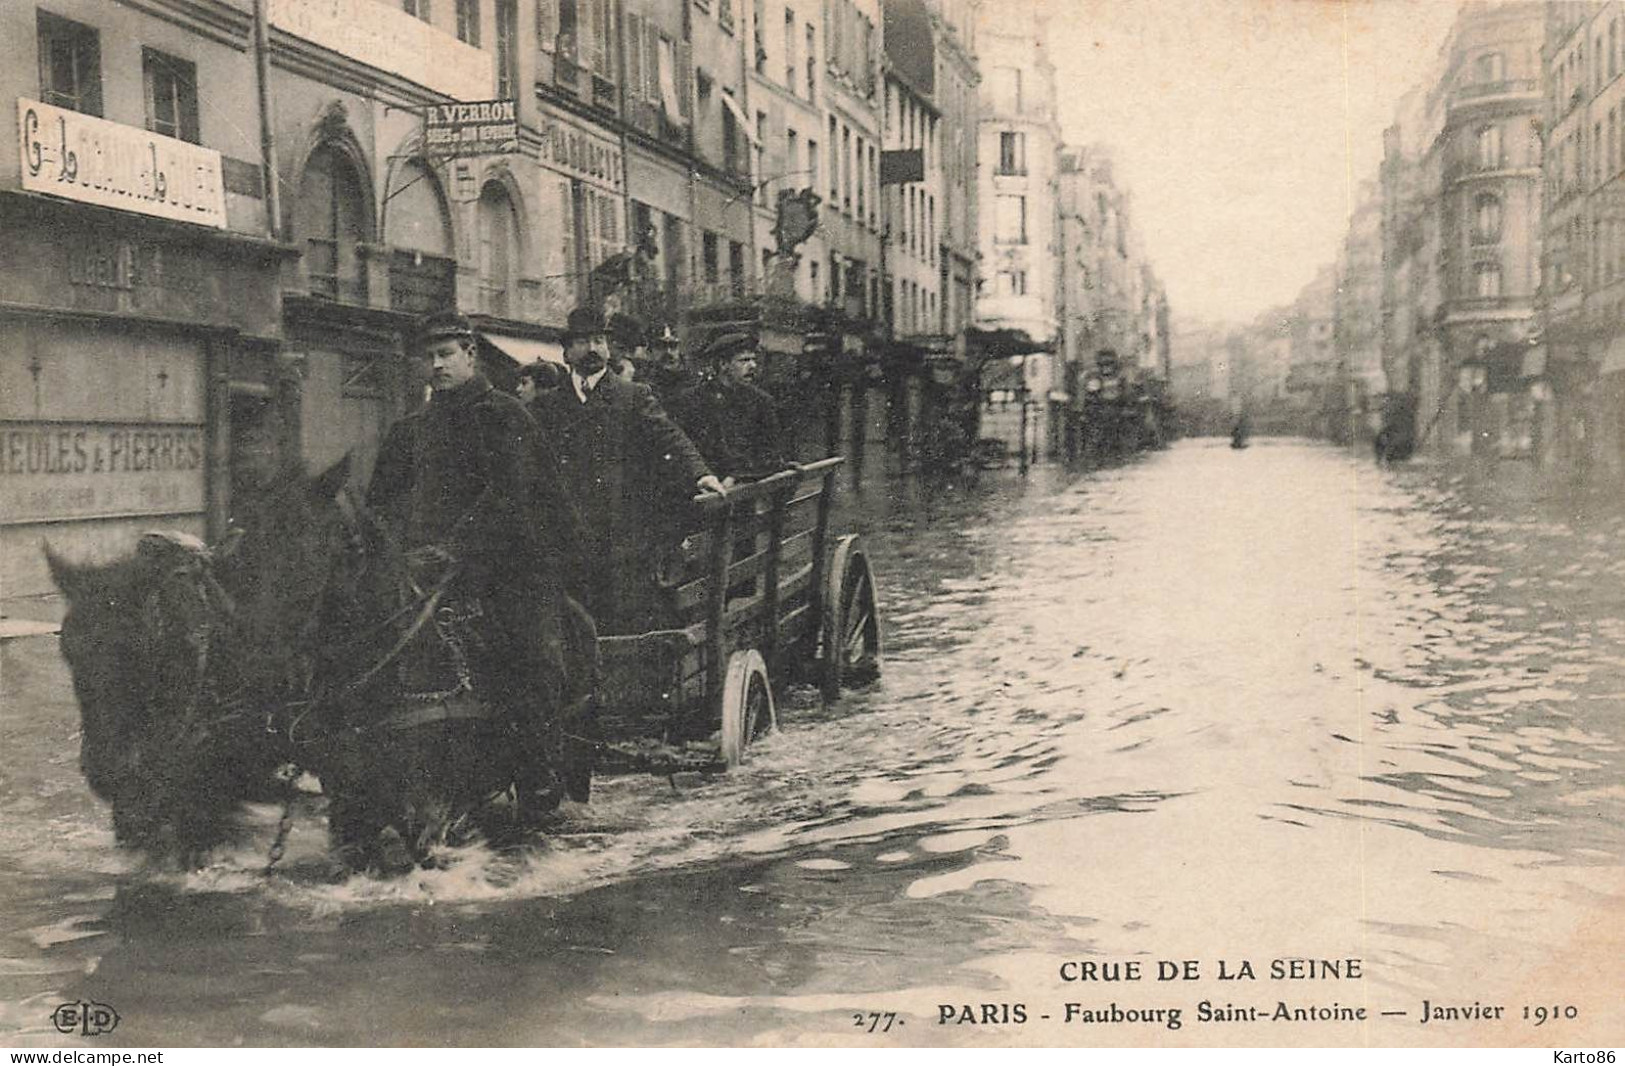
[1214, 708]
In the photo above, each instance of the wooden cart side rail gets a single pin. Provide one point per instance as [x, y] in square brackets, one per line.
[691, 595]
[709, 501]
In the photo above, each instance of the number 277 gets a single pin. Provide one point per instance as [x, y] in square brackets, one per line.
[875, 1021]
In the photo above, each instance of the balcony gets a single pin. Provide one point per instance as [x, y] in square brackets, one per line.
[1485, 92]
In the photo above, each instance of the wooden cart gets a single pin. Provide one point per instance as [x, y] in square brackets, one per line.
[758, 596]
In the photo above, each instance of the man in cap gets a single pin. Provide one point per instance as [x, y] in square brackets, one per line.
[628, 346]
[630, 470]
[665, 373]
[465, 483]
[731, 421]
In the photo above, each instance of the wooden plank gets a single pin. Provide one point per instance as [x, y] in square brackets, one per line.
[717, 608]
[770, 580]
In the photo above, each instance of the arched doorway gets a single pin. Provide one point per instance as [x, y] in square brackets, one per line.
[331, 220]
[499, 251]
[417, 228]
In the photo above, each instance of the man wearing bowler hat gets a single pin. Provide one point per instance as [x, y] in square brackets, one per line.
[462, 482]
[629, 468]
[728, 418]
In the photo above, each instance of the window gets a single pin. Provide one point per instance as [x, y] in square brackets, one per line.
[846, 168]
[812, 164]
[790, 49]
[1486, 219]
[792, 156]
[507, 21]
[1490, 67]
[331, 218]
[1489, 148]
[1012, 153]
[468, 22]
[736, 268]
[812, 62]
[709, 262]
[499, 249]
[416, 8]
[569, 36]
[760, 151]
[874, 176]
[1487, 280]
[862, 175]
[834, 168]
[730, 140]
[171, 89]
[1010, 219]
[814, 290]
[70, 64]
[1011, 283]
[1007, 90]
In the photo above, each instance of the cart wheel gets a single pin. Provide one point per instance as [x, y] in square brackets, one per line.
[747, 705]
[851, 625]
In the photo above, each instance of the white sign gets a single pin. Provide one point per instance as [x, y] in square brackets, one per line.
[383, 36]
[85, 158]
[55, 471]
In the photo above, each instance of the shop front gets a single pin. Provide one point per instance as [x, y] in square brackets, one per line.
[118, 335]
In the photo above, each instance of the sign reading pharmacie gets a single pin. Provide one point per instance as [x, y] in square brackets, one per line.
[483, 127]
[81, 157]
[54, 471]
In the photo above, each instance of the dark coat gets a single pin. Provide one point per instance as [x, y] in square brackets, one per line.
[630, 470]
[468, 473]
[735, 426]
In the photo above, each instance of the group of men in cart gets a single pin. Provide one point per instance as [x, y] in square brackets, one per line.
[577, 490]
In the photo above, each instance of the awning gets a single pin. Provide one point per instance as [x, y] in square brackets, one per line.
[745, 124]
[523, 350]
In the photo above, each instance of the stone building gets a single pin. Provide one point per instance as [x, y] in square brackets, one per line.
[1019, 282]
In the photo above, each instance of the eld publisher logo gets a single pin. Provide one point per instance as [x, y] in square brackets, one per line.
[86, 1019]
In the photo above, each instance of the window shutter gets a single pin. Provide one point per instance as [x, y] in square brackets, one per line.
[547, 25]
[651, 62]
[188, 100]
[685, 80]
[634, 55]
[91, 85]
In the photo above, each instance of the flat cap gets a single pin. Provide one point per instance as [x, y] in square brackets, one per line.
[443, 325]
[728, 345]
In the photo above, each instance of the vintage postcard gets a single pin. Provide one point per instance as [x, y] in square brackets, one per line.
[775, 523]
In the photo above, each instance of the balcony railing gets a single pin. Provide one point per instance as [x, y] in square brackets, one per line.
[1504, 87]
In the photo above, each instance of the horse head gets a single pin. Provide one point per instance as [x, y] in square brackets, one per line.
[175, 652]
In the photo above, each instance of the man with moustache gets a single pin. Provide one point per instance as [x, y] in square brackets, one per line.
[630, 470]
[462, 483]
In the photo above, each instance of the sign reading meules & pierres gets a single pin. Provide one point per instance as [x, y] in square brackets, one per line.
[51, 471]
[483, 127]
[80, 157]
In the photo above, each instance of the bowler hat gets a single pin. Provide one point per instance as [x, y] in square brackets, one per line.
[728, 345]
[584, 322]
[443, 325]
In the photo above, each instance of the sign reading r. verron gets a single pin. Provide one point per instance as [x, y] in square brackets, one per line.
[484, 127]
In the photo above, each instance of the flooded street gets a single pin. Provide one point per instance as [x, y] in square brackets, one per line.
[1215, 707]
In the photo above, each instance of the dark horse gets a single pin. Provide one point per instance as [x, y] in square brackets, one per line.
[205, 675]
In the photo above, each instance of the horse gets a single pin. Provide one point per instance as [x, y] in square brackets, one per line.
[406, 725]
[182, 663]
[205, 677]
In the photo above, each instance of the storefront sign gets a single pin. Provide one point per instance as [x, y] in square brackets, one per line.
[89, 265]
[81, 157]
[51, 471]
[488, 127]
[579, 154]
[385, 37]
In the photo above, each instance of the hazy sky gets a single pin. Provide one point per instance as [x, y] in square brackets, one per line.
[1240, 126]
